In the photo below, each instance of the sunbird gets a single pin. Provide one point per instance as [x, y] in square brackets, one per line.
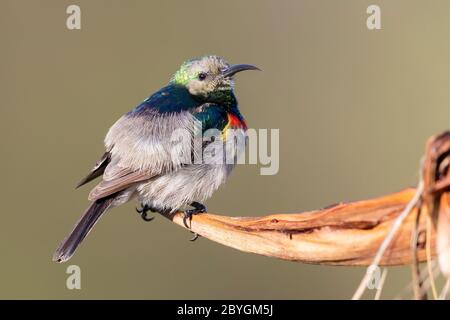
[139, 161]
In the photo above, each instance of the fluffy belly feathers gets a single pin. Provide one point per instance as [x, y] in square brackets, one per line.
[173, 191]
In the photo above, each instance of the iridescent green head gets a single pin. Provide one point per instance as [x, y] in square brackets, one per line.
[208, 76]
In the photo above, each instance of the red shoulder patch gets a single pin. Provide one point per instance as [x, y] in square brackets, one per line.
[235, 122]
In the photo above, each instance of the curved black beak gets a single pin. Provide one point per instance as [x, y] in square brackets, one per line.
[232, 70]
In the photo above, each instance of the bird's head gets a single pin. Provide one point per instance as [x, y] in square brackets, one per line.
[209, 78]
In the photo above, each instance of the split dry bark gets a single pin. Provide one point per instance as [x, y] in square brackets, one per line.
[343, 234]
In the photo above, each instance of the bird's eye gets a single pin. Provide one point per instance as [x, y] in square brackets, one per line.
[202, 76]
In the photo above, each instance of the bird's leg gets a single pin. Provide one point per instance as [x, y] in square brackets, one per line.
[197, 208]
[143, 212]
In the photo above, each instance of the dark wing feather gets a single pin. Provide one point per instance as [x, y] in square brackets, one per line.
[97, 171]
[109, 187]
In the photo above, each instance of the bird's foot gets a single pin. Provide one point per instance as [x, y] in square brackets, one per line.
[143, 212]
[198, 208]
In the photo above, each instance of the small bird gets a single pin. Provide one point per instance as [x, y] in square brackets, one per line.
[139, 161]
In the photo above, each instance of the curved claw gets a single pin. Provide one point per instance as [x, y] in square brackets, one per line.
[195, 237]
[143, 213]
[145, 217]
[187, 215]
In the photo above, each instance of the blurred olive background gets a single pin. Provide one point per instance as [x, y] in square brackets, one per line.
[354, 108]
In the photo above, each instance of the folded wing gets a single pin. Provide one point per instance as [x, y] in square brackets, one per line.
[140, 146]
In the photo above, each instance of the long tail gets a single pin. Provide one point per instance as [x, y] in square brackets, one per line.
[68, 246]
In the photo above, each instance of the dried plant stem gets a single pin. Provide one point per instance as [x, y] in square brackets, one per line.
[423, 278]
[415, 272]
[427, 283]
[346, 234]
[387, 241]
[445, 290]
[381, 284]
[428, 252]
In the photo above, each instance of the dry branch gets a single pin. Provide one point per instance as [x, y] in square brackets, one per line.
[343, 234]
